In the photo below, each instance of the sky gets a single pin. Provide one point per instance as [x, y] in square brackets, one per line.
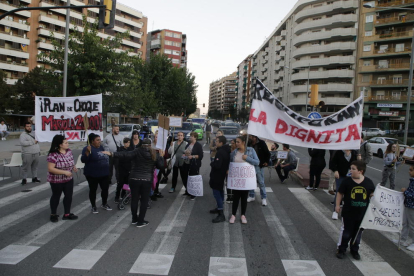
[220, 33]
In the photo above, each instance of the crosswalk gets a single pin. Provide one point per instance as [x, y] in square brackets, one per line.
[280, 229]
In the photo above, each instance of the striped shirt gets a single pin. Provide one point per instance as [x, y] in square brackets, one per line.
[62, 162]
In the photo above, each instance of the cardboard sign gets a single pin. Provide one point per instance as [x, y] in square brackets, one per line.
[242, 176]
[176, 121]
[195, 185]
[163, 122]
[282, 154]
[408, 153]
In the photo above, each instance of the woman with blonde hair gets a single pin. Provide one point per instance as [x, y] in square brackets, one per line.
[390, 164]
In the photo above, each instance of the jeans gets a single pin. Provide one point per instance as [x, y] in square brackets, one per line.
[349, 231]
[408, 224]
[4, 133]
[57, 189]
[338, 184]
[286, 171]
[140, 190]
[93, 183]
[260, 183]
[219, 196]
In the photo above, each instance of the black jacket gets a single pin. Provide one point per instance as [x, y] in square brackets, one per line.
[317, 158]
[142, 163]
[340, 164]
[197, 150]
[219, 167]
[124, 165]
[262, 152]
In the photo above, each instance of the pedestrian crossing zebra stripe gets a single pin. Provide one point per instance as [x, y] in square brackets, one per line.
[17, 196]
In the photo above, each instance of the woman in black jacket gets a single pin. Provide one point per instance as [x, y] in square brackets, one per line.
[193, 155]
[316, 167]
[143, 160]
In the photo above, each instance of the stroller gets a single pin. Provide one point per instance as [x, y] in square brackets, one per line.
[126, 199]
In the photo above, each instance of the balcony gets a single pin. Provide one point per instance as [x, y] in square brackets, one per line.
[323, 35]
[387, 52]
[14, 24]
[335, 6]
[331, 22]
[385, 67]
[73, 13]
[330, 87]
[283, 33]
[393, 20]
[8, 7]
[14, 38]
[327, 100]
[48, 33]
[388, 98]
[389, 83]
[324, 61]
[14, 53]
[278, 38]
[55, 21]
[395, 3]
[392, 36]
[13, 66]
[11, 81]
[327, 48]
[324, 74]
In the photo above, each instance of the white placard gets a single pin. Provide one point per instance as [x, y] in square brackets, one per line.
[64, 115]
[162, 138]
[282, 154]
[385, 210]
[176, 121]
[408, 153]
[195, 185]
[242, 176]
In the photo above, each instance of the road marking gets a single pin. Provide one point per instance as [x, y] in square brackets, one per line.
[17, 196]
[374, 168]
[227, 266]
[268, 190]
[158, 254]
[5, 178]
[13, 254]
[301, 267]
[377, 269]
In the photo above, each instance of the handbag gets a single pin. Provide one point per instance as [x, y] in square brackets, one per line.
[195, 184]
[171, 161]
[117, 148]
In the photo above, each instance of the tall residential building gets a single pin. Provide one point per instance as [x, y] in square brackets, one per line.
[222, 94]
[384, 49]
[25, 34]
[243, 83]
[315, 41]
[168, 42]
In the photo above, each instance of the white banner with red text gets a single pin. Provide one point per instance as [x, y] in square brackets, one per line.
[65, 116]
[273, 120]
[242, 176]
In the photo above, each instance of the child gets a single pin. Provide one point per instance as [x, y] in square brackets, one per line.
[124, 167]
[355, 191]
[408, 218]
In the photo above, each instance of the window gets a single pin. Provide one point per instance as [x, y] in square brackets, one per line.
[177, 35]
[177, 44]
[170, 34]
[367, 48]
[177, 53]
[166, 51]
[317, 18]
[175, 61]
[381, 80]
[314, 57]
[382, 64]
[397, 79]
[315, 43]
[367, 62]
[369, 18]
[399, 47]
[167, 42]
[368, 33]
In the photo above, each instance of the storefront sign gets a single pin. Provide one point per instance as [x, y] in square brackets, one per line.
[397, 119]
[389, 105]
[389, 113]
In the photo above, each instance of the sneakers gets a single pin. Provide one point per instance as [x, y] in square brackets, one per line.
[214, 211]
[243, 219]
[264, 202]
[172, 190]
[309, 188]
[186, 193]
[142, 224]
[54, 218]
[69, 217]
[334, 215]
[331, 192]
[106, 207]
[95, 210]
[356, 255]
[340, 255]
[282, 181]
[134, 221]
[35, 180]
[24, 181]
[411, 247]
[229, 199]
[220, 217]
[403, 243]
[232, 219]
[250, 199]
[192, 197]
[159, 195]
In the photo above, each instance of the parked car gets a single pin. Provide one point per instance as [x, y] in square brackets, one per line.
[197, 128]
[379, 145]
[127, 129]
[373, 132]
[231, 124]
[186, 128]
[229, 132]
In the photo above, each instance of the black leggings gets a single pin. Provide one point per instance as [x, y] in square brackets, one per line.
[93, 183]
[57, 189]
[178, 170]
[140, 190]
[237, 195]
[315, 172]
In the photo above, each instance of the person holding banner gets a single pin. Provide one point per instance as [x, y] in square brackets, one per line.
[356, 192]
[193, 155]
[242, 154]
[408, 214]
[316, 167]
[390, 165]
[177, 148]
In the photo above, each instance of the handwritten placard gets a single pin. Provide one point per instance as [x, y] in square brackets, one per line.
[242, 176]
[282, 154]
[176, 121]
[408, 153]
[195, 185]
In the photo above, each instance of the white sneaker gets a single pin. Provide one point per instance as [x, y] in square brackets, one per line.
[250, 199]
[264, 202]
[402, 243]
[335, 216]
[309, 188]
[411, 247]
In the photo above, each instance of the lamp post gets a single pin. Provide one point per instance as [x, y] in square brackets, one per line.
[410, 78]
[307, 87]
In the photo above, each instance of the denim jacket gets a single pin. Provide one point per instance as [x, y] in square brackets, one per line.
[251, 158]
[409, 195]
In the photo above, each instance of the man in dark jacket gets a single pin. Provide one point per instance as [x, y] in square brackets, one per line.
[264, 156]
[316, 167]
[219, 168]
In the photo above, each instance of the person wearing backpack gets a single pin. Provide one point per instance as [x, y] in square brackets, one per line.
[365, 151]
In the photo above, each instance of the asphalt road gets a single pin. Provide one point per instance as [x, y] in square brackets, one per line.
[293, 235]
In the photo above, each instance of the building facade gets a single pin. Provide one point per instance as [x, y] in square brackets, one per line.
[25, 34]
[314, 44]
[244, 75]
[170, 43]
[222, 95]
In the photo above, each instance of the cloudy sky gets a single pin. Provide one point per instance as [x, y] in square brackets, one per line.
[220, 33]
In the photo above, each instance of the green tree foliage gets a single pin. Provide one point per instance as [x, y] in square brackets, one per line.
[7, 101]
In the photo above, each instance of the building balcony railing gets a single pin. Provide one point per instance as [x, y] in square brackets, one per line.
[397, 82]
[383, 98]
[319, 49]
[389, 51]
[337, 5]
[395, 3]
[393, 35]
[385, 67]
[395, 19]
[336, 20]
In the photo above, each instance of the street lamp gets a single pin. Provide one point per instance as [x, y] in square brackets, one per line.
[410, 80]
[307, 86]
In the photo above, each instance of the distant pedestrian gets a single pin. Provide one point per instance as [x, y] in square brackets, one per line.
[30, 153]
[286, 165]
[193, 155]
[317, 164]
[390, 165]
[61, 166]
[207, 129]
[408, 214]
[176, 152]
[332, 183]
[365, 151]
[124, 167]
[113, 142]
[96, 171]
[3, 131]
[240, 155]
[213, 147]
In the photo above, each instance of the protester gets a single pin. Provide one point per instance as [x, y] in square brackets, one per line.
[356, 192]
[124, 167]
[317, 164]
[408, 214]
[332, 183]
[264, 156]
[157, 193]
[341, 163]
[233, 144]
[219, 168]
[193, 155]
[176, 150]
[60, 165]
[135, 141]
[229, 198]
[167, 156]
[112, 143]
[287, 165]
[213, 148]
[30, 153]
[273, 154]
[365, 151]
[143, 160]
[96, 171]
[207, 129]
[3, 130]
[240, 155]
[390, 165]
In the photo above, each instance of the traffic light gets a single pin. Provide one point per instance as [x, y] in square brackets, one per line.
[204, 105]
[107, 15]
[314, 95]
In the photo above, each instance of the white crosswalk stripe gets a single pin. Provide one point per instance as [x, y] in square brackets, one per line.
[17, 196]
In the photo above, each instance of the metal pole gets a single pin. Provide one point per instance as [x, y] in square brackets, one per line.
[409, 92]
[65, 64]
[307, 92]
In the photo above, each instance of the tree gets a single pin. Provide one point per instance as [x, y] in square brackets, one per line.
[7, 103]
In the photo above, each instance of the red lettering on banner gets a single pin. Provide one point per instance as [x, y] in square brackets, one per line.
[328, 135]
[313, 137]
[65, 124]
[72, 135]
[293, 128]
[301, 134]
[353, 131]
[252, 118]
[340, 130]
[281, 126]
[262, 118]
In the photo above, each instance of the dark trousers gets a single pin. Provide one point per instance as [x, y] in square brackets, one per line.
[188, 169]
[315, 172]
[57, 189]
[140, 190]
[286, 171]
[93, 183]
[177, 170]
[159, 176]
[113, 162]
[123, 179]
[237, 196]
[349, 231]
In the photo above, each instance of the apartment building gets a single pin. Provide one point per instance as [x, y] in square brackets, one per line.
[222, 94]
[384, 49]
[25, 34]
[314, 44]
[170, 43]
[244, 74]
